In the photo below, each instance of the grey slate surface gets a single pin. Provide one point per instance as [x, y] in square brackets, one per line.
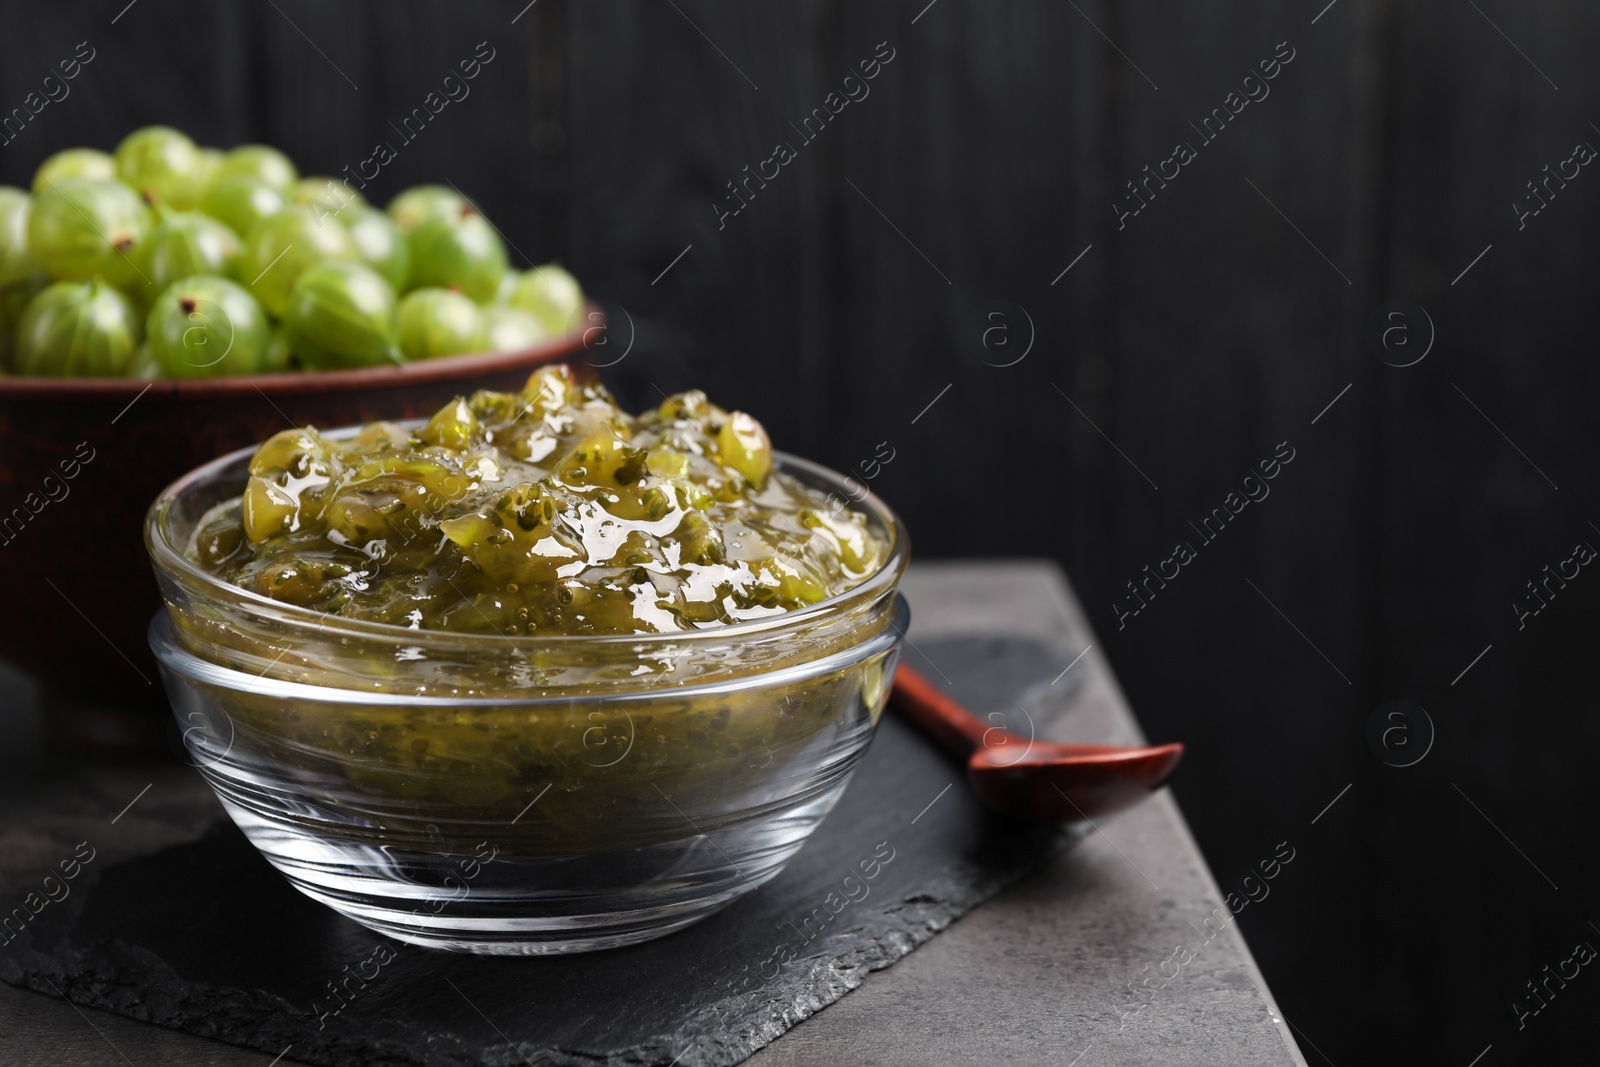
[206, 937]
[1038, 975]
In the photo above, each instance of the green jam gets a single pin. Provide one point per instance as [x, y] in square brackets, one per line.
[550, 511]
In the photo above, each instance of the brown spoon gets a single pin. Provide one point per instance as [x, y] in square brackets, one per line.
[1044, 780]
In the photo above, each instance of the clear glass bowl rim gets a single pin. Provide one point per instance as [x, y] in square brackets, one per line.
[179, 660]
[171, 559]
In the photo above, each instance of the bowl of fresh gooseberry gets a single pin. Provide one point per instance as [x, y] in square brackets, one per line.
[166, 303]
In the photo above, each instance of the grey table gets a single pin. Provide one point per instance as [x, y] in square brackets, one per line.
[1104, 957]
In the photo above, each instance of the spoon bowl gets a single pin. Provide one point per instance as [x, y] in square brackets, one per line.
[1068, 783]
[1044, 780]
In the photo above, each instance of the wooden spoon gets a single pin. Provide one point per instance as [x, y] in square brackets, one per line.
[1044, 780]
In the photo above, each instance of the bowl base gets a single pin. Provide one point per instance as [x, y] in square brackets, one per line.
[608, 931]
[490, 902]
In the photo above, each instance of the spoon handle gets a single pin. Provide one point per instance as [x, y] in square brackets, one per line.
[956, 729]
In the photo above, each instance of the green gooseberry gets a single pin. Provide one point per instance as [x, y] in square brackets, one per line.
[77, 329]
[262, 162]
[507, 329]
[16, 262]
[208, 161]
[183, 244]
[75, 163]
[279, 355]
[281, 247]
[144, 366]
[163, 164]
[206, 326]
[239, 201]
[342, 314]
[420, 203]
[550, 294]
[439, 322]
[14, 300]
[82, 228]
[460, 250]
[380, 244]
[326, 196]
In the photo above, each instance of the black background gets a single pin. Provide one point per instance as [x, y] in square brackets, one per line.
[1219, 322]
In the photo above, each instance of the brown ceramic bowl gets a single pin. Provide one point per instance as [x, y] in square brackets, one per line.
[82, 458]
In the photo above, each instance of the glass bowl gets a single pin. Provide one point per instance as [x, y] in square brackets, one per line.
[520, 795]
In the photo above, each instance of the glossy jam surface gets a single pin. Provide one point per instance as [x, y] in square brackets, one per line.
[550, 511]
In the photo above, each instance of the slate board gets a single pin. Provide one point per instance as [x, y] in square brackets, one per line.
[207, 937]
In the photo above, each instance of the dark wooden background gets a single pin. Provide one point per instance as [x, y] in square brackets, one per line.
[1218, 323]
